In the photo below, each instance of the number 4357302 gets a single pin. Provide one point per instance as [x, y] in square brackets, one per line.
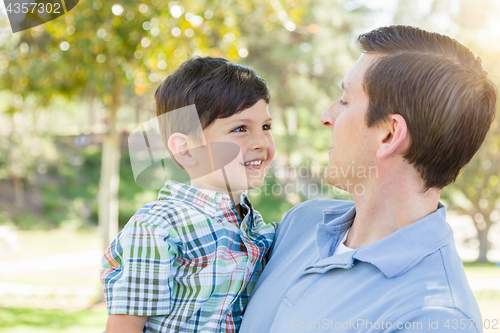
[462, 324]
[33, 7]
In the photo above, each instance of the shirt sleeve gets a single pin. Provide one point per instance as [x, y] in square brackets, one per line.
[137, 270]
[435, 319]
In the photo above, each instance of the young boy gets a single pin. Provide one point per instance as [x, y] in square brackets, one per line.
[188, 261]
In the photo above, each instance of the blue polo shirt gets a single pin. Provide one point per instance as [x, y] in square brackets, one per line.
[410, 281]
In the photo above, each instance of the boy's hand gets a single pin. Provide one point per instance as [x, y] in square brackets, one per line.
[118, 323]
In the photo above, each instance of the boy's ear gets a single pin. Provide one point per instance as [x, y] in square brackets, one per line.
[394, 137]
[178, 145]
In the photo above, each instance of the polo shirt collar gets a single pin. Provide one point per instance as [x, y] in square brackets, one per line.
[210, 202]
[332, 227]
[395, 254]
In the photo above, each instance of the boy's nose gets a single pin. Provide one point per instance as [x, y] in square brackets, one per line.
[260, 141]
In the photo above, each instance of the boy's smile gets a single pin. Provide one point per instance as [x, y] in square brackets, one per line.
[250, 129]
[253, 165]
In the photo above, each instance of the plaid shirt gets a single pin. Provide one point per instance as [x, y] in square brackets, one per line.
[187, 261]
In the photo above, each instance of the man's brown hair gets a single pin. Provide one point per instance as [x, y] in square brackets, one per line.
[441, 90]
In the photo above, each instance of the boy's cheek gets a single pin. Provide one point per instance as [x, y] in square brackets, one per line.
[271, 151]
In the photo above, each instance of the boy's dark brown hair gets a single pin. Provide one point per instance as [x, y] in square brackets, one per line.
[439, 87]
[217, 88]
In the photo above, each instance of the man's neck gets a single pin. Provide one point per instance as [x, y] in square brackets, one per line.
[387, 207]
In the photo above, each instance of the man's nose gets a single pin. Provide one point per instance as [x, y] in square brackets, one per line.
[328, 117]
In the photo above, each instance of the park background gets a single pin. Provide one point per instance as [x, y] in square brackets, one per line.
[73, 89]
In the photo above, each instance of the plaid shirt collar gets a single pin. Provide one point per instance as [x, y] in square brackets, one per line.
[210, 202]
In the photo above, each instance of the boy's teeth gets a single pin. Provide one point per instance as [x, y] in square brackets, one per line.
[253, 163]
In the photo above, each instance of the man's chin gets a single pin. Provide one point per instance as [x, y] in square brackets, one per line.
[338, 182]
[329, 177]
[335, 183]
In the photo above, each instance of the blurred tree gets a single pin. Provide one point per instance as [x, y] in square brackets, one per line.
[476, 191]
[114, 51]
[21, 150]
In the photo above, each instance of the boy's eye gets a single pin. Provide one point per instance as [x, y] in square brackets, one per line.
[239, 129]
[342, 102]
[266, 127]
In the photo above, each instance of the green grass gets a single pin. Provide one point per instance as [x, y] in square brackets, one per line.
[482, 270]
[35, 243]
[32, 320]
[38, 243]
[479, 264]
[81, 277]
[488, 295]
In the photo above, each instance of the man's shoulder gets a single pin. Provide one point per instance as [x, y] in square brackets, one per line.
[460, 292]
[449, 297]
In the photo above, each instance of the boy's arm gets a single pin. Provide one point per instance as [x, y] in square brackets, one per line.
[125, 323]
[137, 275]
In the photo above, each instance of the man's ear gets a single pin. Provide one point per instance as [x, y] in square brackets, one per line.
[395, 138]
[178, 145]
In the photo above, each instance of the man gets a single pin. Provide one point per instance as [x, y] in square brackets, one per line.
[416, 107]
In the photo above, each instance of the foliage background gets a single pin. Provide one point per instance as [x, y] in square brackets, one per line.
[71, 91]
[73, 88]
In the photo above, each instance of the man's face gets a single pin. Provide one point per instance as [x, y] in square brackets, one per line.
[354, 144]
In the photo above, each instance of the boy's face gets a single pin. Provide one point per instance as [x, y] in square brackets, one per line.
[250, 130]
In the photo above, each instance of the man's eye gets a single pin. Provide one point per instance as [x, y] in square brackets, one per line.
[239, 129]
[266, 127]
[342, 102]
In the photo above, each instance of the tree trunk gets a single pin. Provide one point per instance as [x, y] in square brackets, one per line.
[110, 175]
[484, 244]
[108, 188]
[18, 191]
